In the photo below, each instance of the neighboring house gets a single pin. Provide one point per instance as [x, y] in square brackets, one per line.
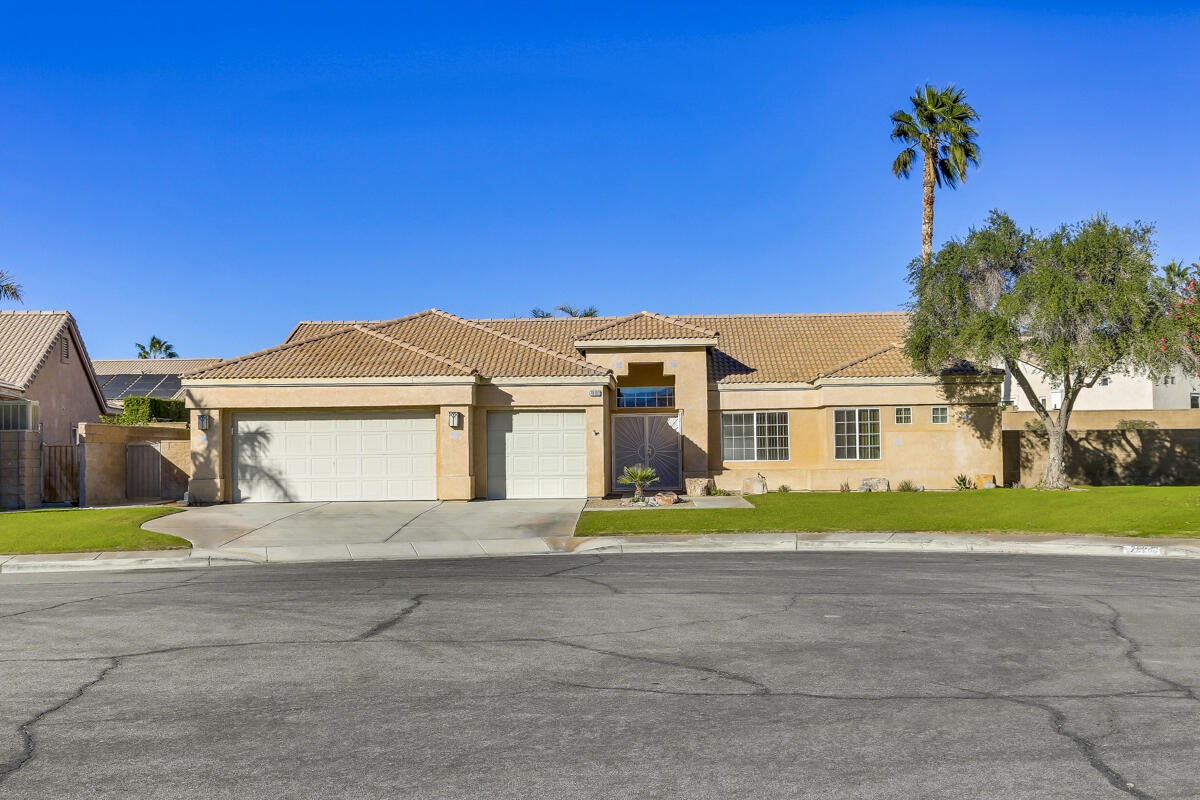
[144, 377]
[42, 359]
[436, 406]
[1114, 391]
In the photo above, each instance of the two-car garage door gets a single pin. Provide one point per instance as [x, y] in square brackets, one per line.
[336, 456]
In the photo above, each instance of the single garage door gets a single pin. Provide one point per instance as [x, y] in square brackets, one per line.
[536, 454]
[352, 456]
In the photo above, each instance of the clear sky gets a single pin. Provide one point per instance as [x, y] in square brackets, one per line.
[212, 174]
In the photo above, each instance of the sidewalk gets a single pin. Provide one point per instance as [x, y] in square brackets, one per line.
[1012, 544]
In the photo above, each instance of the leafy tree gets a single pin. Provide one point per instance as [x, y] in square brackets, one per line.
[939, 128]
[571, 311]
[639, 476]
[1081, 301]
[1178, 275]
[540, 313]
[9, 288]
[158, 348]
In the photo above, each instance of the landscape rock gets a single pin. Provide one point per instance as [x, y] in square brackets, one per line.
[989, 485]
[698, 487]
[666, 498]
[875, 485]
[755, 485]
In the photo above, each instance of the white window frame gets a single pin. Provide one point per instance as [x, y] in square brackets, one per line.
[907, 413]
[754, 434]
[858, 435]
[1194, 400]
[933, 411]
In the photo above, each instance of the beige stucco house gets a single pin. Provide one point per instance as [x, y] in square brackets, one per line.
[437, 406]
[43, 361]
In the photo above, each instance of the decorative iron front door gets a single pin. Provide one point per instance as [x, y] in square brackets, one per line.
[650, 439]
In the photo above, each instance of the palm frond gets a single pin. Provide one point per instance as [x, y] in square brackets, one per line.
[9, 288]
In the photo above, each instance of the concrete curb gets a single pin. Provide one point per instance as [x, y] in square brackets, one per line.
[848, 541]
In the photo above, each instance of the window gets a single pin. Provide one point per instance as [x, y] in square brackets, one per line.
[904, 416]
[646, 397]
[754, 436]
[66, 349]
[1167, 381]
[1104, 380]
[1195, 400]
[856, 433]
[939, 415]
[1042, 400]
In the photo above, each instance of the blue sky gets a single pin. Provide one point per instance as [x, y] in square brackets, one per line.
[212, 175]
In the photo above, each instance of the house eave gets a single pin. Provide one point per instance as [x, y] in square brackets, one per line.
[635, 344]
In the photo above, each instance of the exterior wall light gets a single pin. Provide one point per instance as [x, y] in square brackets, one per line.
[202, 421]
[456, 419]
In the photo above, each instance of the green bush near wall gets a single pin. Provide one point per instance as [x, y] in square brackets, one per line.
[142, 410]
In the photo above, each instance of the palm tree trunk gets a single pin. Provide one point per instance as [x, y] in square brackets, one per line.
[930, 178]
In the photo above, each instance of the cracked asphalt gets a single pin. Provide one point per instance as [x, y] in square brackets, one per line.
[675, 676]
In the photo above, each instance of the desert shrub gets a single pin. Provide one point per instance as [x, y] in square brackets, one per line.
[784, 488]
[962, 483]
[1136, 425]
[845, 487]
[906, 486]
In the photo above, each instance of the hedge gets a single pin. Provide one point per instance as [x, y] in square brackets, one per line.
[141, 410]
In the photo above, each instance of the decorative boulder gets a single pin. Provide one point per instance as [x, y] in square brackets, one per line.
[698, 487]
[921, 488]
[755, 485]
[666, 498]
[875, 485]
[982, 481]
[989, 485]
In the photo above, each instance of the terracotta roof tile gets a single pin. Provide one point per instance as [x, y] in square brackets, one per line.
[646, 325]
[343, 353]
[762, 348]
[150, 366]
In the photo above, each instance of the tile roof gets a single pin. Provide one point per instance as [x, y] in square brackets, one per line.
[430, 343]
[150, 366]
[791, 348]
[26, 338]
[752, 348]
[646, 325]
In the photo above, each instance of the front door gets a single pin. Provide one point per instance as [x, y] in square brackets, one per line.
[650, 439]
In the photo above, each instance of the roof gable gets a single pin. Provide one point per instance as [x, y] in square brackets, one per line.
[646, 325]
[429, 343]
[29, 338]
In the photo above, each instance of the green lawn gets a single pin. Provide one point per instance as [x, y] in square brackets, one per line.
[82, 530]
[1110, 510]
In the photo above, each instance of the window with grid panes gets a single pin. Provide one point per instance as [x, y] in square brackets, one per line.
[754, 436]
[904, 416]
[856, 434]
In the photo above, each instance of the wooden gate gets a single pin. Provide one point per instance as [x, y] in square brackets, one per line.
[60, 473]
[143, 471]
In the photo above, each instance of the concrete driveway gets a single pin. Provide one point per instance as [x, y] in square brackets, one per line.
[281, 524]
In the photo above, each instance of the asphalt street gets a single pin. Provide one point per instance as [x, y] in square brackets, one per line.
[667, 676]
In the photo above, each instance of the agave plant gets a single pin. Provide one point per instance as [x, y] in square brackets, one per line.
[638, 476]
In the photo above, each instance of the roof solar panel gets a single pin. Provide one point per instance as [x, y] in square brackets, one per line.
[117, 385]
[143, 385]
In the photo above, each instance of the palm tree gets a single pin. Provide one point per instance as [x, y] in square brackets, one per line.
[158, 348]
[540, 313]
[572, 311]
[1177, 274]
[940, 128]
[9, 288]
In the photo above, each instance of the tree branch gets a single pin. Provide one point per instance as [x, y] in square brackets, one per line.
[1027, 387]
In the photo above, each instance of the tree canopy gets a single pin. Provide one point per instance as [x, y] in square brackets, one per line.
[158, 348]
[1081, 301]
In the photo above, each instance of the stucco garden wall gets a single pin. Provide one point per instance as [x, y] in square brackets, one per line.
[102, 460]
[1109, 457]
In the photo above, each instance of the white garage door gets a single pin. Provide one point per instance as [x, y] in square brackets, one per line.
[536, 454]
[359, 456]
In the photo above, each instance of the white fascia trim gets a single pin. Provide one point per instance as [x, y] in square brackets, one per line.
[638, 344]
[455, 380]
